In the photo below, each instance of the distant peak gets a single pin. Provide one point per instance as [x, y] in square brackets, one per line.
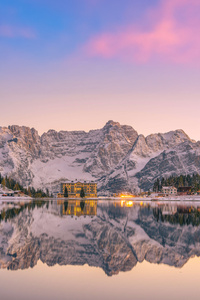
[112, 123]
[179, 133]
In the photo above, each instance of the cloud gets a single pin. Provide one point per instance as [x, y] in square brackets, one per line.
[169, 33]
[16, 32]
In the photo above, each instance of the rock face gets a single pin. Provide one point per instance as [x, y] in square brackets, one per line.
[153, 157]
[114, 240]
[114, 156]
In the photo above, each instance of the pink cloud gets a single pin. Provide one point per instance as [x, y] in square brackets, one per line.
[16, 32]
[172, 35]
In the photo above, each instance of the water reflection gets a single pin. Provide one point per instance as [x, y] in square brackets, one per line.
[78, 207]
[111, 235]
[182, 215]
[9, 210]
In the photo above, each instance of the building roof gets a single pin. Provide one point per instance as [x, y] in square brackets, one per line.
[184, 188]
[78, 181]
[168, 187]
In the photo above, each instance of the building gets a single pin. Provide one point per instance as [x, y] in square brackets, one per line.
[74, 189]
[19, 194]
[169, 190]
[184, 190]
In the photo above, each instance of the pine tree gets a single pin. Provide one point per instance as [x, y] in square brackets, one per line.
[82, 205]
[3, 182]
[82, 193]
[7, 182]
[47, 192]
[66, 193]
[16, 187]
[65, 205]
[29, 191]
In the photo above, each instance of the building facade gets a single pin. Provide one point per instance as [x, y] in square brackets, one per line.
[74, 189]
[184, 190]
[169, 190]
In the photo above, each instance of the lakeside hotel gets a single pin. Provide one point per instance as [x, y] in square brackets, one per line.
[74, 189]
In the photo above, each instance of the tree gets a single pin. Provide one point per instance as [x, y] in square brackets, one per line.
[66, 193]
[181, 181]
[8, 182]
[82, 193]
[65, 205]
[82, 205]
[3, 182]
[47, 193]
[16, 187]
[29, 191]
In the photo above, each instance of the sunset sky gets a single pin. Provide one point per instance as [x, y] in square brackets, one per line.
[75, 64]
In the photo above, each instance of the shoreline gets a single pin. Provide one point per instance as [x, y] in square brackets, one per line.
[177, 199]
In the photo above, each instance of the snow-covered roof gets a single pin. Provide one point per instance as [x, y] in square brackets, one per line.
[168, 187]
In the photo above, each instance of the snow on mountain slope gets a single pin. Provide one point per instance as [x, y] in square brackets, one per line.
[134, 172]
[115, 156]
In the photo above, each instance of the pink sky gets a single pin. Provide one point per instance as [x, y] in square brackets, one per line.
[74, 65]
[171, 35]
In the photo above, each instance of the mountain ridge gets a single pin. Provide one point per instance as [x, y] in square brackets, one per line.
[116, 156]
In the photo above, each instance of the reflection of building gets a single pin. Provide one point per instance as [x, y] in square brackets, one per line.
[78, 207]
[169, 209]
[74, 189]
[169, 190]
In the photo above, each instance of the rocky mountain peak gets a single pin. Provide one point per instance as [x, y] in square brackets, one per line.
[114, 131]
[161, 141]
[115, 155]
[111, 123]
[22, 131]
[26, 137]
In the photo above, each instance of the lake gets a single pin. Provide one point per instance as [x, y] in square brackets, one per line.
[99, 250]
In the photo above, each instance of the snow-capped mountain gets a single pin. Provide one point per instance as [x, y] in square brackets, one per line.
[114, 156]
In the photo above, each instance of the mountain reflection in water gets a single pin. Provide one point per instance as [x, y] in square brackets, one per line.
[112, 235]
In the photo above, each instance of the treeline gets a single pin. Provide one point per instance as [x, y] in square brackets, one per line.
[192, 181]
[30, 191]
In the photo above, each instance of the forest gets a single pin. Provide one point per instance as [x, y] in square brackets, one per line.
[192, 181]
[16, 186]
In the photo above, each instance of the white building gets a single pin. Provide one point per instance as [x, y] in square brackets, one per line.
[169, 190]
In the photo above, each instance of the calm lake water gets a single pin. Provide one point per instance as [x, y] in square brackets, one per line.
[99, 250]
